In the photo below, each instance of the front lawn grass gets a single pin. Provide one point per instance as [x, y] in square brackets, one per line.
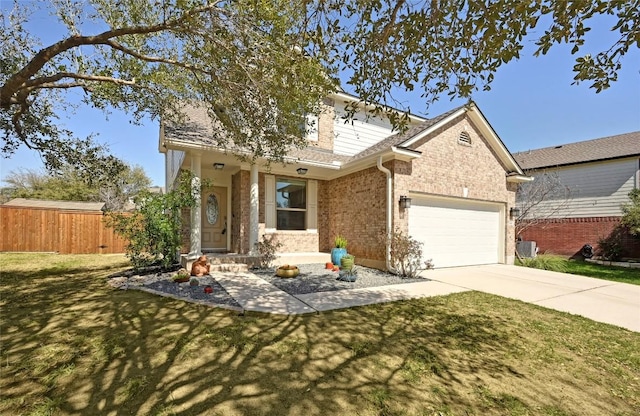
[602, 271]
[73, 345]
[583, 268]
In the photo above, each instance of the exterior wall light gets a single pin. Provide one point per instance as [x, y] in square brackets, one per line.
[514, 212]
[405, 202]
[218, 166]
[302, 171]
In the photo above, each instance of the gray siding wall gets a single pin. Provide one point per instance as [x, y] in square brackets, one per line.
[597, 189]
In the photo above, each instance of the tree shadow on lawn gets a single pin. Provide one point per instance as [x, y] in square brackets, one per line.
[73, 344]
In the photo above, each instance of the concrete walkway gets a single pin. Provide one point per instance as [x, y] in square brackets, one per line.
[600, 300]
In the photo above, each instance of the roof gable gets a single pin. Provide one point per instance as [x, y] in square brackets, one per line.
[414, 135]
[605, 148]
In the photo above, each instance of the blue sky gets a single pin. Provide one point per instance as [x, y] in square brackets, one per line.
[532, 104]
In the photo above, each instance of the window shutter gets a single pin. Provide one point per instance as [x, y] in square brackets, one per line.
[312, 205]
[269, 203]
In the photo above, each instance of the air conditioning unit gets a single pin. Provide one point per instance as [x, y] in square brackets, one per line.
[526, 248]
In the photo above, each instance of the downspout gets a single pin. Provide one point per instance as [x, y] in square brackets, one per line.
[389, 216]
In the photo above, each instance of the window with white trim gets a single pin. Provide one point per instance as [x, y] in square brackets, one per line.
[291, 204]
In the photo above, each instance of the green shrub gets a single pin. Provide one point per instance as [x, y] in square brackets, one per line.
[267, 249]
[610, 247]
[406, 255]
[152, 230]
[546, 262]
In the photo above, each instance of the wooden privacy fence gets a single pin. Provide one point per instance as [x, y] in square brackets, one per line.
[57, 230]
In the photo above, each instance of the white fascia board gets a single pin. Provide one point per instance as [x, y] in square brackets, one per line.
[305, 162]
[433, 128]
[519, 178]
[186, 145]
[405, 154]
[352, 98]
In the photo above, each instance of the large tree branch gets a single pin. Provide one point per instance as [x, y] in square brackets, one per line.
[17, 80]
[158, 59]
[50, 81]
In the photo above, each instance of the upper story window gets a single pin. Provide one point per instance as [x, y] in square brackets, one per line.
[291, 204]
[464, 139]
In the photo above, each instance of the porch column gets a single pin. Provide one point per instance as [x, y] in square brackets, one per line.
[195, 249]
[254, 210]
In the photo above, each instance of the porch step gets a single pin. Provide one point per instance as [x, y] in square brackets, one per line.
[229, 267]
[227, 261]
[233, 258]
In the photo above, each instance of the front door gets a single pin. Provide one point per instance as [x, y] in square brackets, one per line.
[214, 219]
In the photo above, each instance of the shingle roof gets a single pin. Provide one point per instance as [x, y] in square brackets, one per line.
[65, 205]
[199, 128]
[612, 147]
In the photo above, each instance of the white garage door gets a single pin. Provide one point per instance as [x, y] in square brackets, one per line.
[457, 232]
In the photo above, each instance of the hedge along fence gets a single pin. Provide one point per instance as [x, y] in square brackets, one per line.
[57, 230]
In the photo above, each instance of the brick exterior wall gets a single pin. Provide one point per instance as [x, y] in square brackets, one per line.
[325, 234]
[354, 207]
[566, 236]
[240, 187]
[294, 241]
[447, 167]
[325, 126]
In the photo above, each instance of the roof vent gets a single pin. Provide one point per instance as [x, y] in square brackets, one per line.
[464, 138]
[558, 147]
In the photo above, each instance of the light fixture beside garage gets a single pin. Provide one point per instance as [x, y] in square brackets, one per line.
[218, 166]
[405, 202]
[514, 212]
[302, 171]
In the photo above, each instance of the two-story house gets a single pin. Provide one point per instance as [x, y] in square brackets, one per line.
[599, 174]
[356, 179]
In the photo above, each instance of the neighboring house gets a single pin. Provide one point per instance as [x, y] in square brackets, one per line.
[600, 174]
[349, 181]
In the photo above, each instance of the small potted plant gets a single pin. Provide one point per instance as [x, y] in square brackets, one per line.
[182, 276]
[346, 262]
[339, 249]
[348, 275]
[287, 270]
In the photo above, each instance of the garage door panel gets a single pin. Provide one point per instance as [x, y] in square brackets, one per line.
[457, 233]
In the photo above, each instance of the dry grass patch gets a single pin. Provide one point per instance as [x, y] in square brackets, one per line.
[73, 345]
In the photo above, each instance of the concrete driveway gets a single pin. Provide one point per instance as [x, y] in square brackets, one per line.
[600, 300]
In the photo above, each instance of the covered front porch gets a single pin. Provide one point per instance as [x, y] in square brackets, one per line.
[238, 206]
